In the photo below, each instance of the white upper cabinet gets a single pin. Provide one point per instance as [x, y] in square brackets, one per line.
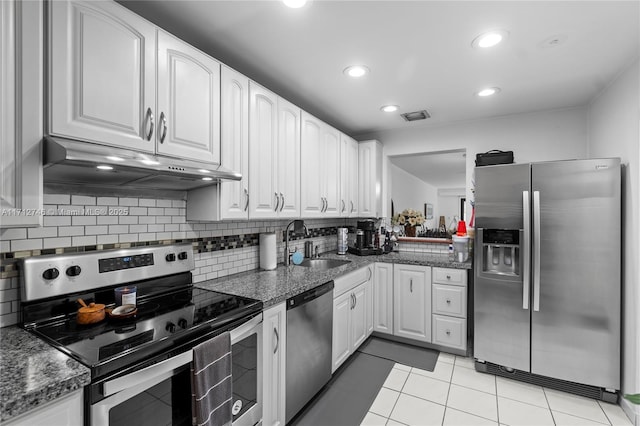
[102, 74]
[21, 112]
[321, 164]
[188, 101]
[348, 176]
[274, 155]
[234, 149]
[370, 179]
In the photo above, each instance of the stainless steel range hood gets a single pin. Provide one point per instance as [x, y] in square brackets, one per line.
[73, 162]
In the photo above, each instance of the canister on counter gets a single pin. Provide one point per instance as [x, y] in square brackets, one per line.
[343, 234]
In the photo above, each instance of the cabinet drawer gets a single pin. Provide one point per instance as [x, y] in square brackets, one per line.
[450, 276]
[449, 300]
[449, 331]
[346, 282]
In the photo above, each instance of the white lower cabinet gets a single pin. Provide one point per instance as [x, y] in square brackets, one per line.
[65, 411]
[274, 351]
[449, 306]
[412, 302]
[383, 298]
[352, 314]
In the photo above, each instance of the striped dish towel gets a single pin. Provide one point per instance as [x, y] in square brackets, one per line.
[211, 392]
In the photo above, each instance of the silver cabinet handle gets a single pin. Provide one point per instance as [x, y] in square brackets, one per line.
[326, 204]
[277, 202]
[526, 273]
[352, 210]
[246, 193]
[282, 206]
[411, 285]
[275, 331]
[536, 250]
[163, 122]
[322, 207]
[149, 119]
[448, 277]
[370, 273]
[448, 301]
[355, 301]
[344, 206]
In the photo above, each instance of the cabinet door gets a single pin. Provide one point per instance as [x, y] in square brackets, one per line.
[359, 314]
[234, 150]
[330, 170]
[412, 302]
[370, 179]
[65, 411]
[188, 101]
[263, 152]
[311, 195]
[102, 74]
[344, 173]
[369, 302]
[383, 298]
[21, 113]
[289, 159]
[352, 177]
[341, 345]
[274, 352]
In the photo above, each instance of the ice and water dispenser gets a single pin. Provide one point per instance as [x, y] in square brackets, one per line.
[501, 251]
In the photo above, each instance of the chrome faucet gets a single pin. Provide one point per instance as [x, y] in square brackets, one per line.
[298, 227]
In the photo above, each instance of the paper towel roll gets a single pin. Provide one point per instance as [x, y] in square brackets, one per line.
[268, 252]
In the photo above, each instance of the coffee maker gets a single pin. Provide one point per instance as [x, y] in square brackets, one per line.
[364, 246]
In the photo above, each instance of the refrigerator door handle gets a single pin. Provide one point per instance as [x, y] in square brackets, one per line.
[526, 273]
[536, 251]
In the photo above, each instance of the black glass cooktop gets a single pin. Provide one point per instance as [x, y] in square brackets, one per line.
[160, 323]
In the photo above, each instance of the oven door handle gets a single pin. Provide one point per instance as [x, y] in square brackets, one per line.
[156, 370]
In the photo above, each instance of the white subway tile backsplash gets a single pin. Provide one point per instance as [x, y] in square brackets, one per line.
[13, 234]
[57, 221]
[107, 220]
[96, 230]
[107, 201]
[147, 236]
[172, 227]
[127, 238]
[138, 211]
[146, 219]
[56, 199]
[83, 220]
[83, 199]
[126, 201]
[107, 239]
[48, 243]
[118, 229]
[70, 231]
[20, 245]
[171, 212]
[160, 236]
[163, 203]
[137, 228]
[5, 246]
[43, 232]
[178, 203]
[127, 220]
[146, 202]
[88, 240]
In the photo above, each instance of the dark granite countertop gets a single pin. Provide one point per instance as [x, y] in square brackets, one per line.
[34, 373]
[273, 287]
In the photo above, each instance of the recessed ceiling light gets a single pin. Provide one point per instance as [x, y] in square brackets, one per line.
[356, 71]
[104, 167]
[150, 162]
[294, 4]
[207, 178]
[489, 91]
[389, 108]
[489, 39]
[114, 158]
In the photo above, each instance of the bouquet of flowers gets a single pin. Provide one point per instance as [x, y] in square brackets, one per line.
[408, 217]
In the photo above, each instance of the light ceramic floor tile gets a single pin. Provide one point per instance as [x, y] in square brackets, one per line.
[615, 414]
[391, 422]
[442, 371]
[415, 411]
[384, 402]
[460, 418]
[472, 379]
[395, 379]
[465, 361]
[448, 358]
[372, 419]
[563, 419]
[426, 388]
[402, 367]
[515, 413]
[575, 405]
[523, 392]
[473, 402]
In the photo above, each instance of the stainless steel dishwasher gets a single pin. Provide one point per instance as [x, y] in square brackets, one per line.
[309, 334]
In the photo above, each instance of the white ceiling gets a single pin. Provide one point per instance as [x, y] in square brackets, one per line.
[443, 170]
[419, 53]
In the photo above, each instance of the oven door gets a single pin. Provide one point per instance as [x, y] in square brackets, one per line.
[161, 393]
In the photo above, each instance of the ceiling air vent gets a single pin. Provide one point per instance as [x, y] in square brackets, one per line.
[417, 115]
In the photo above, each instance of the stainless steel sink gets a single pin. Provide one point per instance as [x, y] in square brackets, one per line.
[323, 264]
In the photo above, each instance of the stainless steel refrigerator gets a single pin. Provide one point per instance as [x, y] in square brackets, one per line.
[547, 272]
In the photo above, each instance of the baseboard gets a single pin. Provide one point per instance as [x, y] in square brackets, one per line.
[631, 410]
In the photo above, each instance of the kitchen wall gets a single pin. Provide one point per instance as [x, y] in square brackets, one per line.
[614, 131]
[410, 192]
[75, 223]
[539, 136]
[449, 204]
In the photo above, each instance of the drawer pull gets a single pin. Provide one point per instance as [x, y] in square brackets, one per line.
[448, 332]
[448, 301]
[448, 277]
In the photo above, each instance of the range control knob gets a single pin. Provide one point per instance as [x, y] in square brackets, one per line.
[73, 271]
[171, 257]
[182, 323]
[182, 255]
[50, 274]
[170, 327]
